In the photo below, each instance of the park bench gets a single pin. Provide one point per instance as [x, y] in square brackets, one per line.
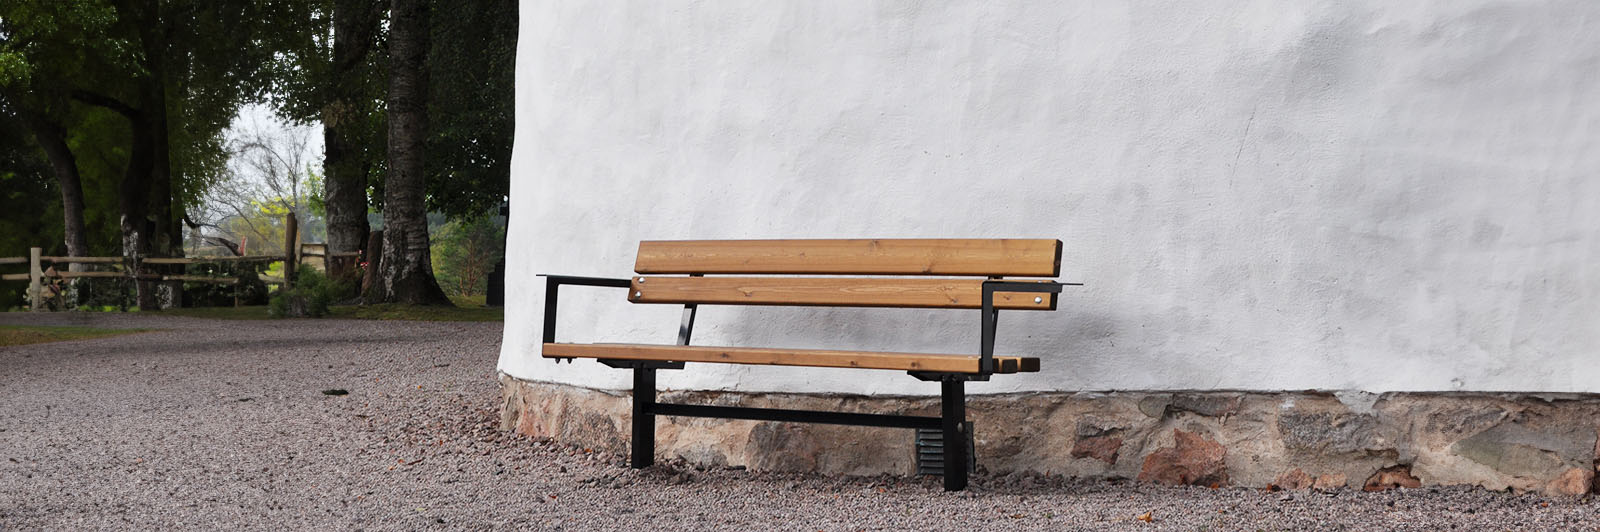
[969, 274]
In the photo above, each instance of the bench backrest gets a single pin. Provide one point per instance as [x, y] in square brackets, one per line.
[980, 258]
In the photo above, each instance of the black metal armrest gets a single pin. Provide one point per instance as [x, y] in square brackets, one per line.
[552, 290]
[991, 316]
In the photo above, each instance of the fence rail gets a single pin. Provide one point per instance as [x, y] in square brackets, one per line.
[37, 274]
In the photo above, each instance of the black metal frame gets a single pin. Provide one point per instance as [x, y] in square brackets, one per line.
[952, 388]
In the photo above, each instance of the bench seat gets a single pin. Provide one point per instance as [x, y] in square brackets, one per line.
[790, 357]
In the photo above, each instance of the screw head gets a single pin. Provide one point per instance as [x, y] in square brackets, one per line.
[637, 294]
[641, 280]
[1037, 299]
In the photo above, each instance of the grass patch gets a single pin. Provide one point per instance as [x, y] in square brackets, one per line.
[31, 334]
[466, 309]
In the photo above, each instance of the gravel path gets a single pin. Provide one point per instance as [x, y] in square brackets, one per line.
[211, 424]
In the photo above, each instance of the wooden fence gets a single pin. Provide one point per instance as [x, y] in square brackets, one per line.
[314, 255]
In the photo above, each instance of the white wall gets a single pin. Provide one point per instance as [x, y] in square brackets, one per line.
[1270, 195]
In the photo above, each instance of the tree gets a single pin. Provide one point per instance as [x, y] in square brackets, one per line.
[25, 177]
[37, 45]
[335, 74]
[463, 251]
[472, 105]
[406, 266]
[174, 70]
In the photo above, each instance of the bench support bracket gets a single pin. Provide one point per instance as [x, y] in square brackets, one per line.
[951, 422]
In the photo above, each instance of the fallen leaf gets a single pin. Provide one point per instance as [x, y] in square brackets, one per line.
[1146, 518]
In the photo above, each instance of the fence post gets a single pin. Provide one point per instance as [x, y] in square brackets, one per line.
[291, 248]
[35, 290]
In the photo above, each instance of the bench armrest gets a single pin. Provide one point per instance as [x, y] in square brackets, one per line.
[552, 290]
[991, 316]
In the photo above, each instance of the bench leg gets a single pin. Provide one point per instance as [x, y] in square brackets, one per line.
[644, 423]
[953, 407]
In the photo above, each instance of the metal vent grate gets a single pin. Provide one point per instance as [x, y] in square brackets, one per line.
[930, 450]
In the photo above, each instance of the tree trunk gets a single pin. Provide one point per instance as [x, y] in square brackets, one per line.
[406, 270]
[166, 232]
[134, 204]
[53, 139]
[355, 26]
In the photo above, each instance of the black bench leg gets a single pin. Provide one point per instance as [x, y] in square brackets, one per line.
[644, 423]
[953, 407]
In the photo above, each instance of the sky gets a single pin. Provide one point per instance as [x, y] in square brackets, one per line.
[259, 117]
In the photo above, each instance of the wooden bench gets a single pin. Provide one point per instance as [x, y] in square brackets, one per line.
[969, 274]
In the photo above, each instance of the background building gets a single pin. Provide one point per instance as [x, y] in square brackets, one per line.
[1370, 200]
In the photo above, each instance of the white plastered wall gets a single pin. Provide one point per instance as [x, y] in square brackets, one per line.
[1259, 195]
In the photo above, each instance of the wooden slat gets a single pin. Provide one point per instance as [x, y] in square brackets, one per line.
[79, 275]
[13, 260]
[789, 357]
[1001, 257]
[15, 277]
[200, 279]
[830, 291]
[84, 260]
[208, 260]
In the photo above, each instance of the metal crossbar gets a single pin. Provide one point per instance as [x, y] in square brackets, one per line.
[795, 416]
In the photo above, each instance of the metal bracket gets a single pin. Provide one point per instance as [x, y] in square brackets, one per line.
[640, 364]
[552, 293]
[933, 376]
[990, 318]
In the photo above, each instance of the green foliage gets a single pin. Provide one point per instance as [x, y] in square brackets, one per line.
[30, 200]
[464, 251]
[471, 105]
[250, 290]
[308, 81]
[178, 68]
[310, 297]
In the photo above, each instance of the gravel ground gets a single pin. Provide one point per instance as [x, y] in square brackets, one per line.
[209, 424]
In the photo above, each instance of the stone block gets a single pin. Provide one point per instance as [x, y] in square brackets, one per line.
[1325, 433]
[1102, 448]
[1192, 459]
[1390, 478]
[1522, 450]
[1295, 479]
[1573, 482]
[1331, 481]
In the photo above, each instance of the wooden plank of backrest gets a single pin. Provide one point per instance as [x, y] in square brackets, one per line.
[789, 357]
[988, 257]
[901, 292]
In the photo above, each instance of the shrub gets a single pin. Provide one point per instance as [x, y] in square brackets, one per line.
[309, 298]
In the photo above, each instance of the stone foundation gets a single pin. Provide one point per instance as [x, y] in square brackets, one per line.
[1529, 442]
